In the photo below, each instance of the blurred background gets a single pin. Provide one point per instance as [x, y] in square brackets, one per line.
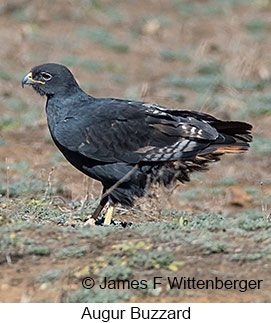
[207, 55]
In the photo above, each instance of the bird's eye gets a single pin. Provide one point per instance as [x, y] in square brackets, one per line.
[46, 76]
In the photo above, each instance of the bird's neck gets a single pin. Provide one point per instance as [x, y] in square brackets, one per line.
[59, 107]
[67, 93]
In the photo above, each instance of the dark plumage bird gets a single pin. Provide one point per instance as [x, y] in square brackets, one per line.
[129, 145]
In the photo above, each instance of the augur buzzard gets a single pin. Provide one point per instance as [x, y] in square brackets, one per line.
[129, 145]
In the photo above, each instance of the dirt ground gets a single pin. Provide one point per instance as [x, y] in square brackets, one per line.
[208, 55]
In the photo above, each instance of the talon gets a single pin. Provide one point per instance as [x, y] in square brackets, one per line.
[90, 221]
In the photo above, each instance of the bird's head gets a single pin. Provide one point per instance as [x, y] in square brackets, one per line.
[51, 79]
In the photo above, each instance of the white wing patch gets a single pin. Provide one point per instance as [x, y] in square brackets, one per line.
[154, 109]
[172, 152]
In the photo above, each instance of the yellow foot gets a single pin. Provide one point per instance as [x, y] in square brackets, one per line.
[90, 221]
[109, 215]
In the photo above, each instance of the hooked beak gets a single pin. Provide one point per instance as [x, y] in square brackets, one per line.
[28, 80]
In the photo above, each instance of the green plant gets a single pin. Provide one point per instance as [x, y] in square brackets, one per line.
[115, 272]
[50, 275]
[71, 251]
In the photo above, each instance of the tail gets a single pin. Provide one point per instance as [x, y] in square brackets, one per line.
[234, 137]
